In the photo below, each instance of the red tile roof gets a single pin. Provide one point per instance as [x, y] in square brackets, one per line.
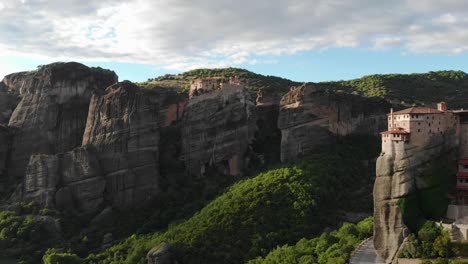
[398, 130]
[461, 174]
[465, 187]
[417, 110]
[463, 161]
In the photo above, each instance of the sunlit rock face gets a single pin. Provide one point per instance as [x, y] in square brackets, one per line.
[310, 116]
[51, 115]
[218, 128]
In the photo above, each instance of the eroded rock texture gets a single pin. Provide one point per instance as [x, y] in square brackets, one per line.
[52, 113]
[218, 128]
[400, 174]
[310, 116]
[5, 148]
[123, 128]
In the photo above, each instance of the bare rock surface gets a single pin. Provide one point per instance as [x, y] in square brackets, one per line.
[310, 116]
[160, 254]
[123, 128]
[52, 113]
[218, 128]
[400, 174]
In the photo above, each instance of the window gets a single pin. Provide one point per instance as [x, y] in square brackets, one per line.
[419, 130]
[465, 166]
[419, 123]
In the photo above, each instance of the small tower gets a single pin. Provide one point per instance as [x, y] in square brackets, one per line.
[442, 106]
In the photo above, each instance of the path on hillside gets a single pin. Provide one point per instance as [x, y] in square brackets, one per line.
[366, 254]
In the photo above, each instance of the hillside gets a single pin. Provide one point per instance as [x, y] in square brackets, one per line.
[279, 206]
[110, 170]
[410, 89]
[253, 81]
[407, 89]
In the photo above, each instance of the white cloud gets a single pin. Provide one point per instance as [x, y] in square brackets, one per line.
[181, 34]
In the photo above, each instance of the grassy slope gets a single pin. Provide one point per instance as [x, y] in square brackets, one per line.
[255, 215]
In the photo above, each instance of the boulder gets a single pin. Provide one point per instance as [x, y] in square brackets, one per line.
[160, 254]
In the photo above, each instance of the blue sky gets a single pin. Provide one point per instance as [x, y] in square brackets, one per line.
[303, 40]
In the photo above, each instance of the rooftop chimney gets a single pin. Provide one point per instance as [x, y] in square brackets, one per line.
[442, 106]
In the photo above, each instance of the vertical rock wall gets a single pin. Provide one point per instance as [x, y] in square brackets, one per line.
[51, 116]
[123, 128]
[310, 117]
[218, 128]
[400, 174]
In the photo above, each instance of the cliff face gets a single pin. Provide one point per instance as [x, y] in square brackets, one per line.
[310, 116]
[218, 128]
[123, 128]
[52, 113]
[399, 175]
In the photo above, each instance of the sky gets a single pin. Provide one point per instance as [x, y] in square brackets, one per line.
[303, 40]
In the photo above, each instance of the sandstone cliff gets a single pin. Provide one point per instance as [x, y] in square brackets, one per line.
[400, 174]
[52, 113]
[310, 116]
[218, 128]
[123, 128]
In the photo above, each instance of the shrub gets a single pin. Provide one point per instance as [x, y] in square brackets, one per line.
[53, 256]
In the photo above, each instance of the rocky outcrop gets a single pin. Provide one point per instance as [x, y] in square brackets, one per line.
[160, 254]
[400, 174]
[123, 128]
[218, 128]
[8, 102]
[68, 181]
[5, 148]
[52, 113]
[310, 117]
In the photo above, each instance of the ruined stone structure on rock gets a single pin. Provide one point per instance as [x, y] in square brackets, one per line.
[415, 138]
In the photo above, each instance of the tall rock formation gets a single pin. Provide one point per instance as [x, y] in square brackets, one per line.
[400, 173]
[52, 113]
[218, 128]
[310, 116]
[123, 128]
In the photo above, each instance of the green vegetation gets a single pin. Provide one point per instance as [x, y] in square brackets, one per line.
[15, 229]
[334, 247]
[407, 89]
[53, 256]
[276, 207]
[430, 241]
[252, 80]
[429, 203]
[410, 89]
